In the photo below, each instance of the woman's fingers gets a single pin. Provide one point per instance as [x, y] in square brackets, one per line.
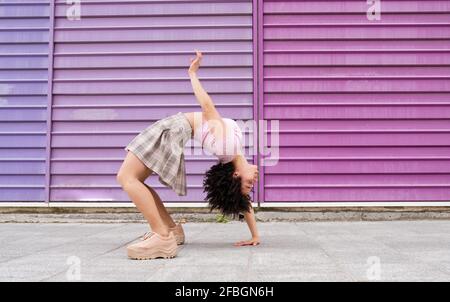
[199, 55]
[197, 58]
[243, 243]
[247, 242]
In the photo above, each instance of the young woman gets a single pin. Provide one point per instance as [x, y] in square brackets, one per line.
[159, 148]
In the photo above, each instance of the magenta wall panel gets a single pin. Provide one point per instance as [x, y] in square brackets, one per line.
[24, 60]
[124, 65]
[363, 106]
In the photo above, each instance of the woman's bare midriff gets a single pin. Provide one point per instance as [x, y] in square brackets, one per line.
[195, 118]
[191, 117]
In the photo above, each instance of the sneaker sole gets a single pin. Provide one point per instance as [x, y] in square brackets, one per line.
[154, 255]
[180, 241]
[150, 258]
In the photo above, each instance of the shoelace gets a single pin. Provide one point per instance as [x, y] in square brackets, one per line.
[150, 234]
[147, 235]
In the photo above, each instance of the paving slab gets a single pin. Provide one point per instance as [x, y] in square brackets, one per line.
[289, 251]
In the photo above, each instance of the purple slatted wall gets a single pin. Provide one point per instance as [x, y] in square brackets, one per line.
[24, 49]
[364, 106]
[122, 67]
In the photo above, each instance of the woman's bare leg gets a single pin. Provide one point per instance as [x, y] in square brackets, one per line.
[168, 221]
[131, 177]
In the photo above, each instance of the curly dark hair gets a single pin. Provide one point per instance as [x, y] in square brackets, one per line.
[223, 190]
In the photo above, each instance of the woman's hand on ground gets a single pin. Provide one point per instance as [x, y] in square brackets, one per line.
[253, 241]
[195, 63]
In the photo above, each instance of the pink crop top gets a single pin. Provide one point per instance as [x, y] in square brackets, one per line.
[224, 150]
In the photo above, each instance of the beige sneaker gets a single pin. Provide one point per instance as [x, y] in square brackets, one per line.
[177, 231]
[154, 246]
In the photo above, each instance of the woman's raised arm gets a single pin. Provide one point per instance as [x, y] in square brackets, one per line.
[206, 103]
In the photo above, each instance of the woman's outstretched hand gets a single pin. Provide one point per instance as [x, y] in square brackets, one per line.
[195, 63]
[253, 241]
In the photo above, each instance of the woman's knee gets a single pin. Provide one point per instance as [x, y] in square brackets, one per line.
[132, 169]
[125, 179]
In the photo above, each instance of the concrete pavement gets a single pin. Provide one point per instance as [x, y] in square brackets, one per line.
[290, 251]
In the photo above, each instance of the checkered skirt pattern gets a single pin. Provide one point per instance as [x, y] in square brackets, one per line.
[160, 147]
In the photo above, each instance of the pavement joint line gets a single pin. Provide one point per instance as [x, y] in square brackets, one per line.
[333, 251]
[54, 246]
[65, 270]
[52, 276]
[167, 263]
[180, 247]
[95, 257]
[90, 260]
[122, 245]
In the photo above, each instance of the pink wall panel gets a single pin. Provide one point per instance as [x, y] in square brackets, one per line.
[363, 106]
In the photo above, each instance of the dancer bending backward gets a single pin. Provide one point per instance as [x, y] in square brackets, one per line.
[159, 148]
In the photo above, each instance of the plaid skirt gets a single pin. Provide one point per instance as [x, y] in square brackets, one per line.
[160, 147]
